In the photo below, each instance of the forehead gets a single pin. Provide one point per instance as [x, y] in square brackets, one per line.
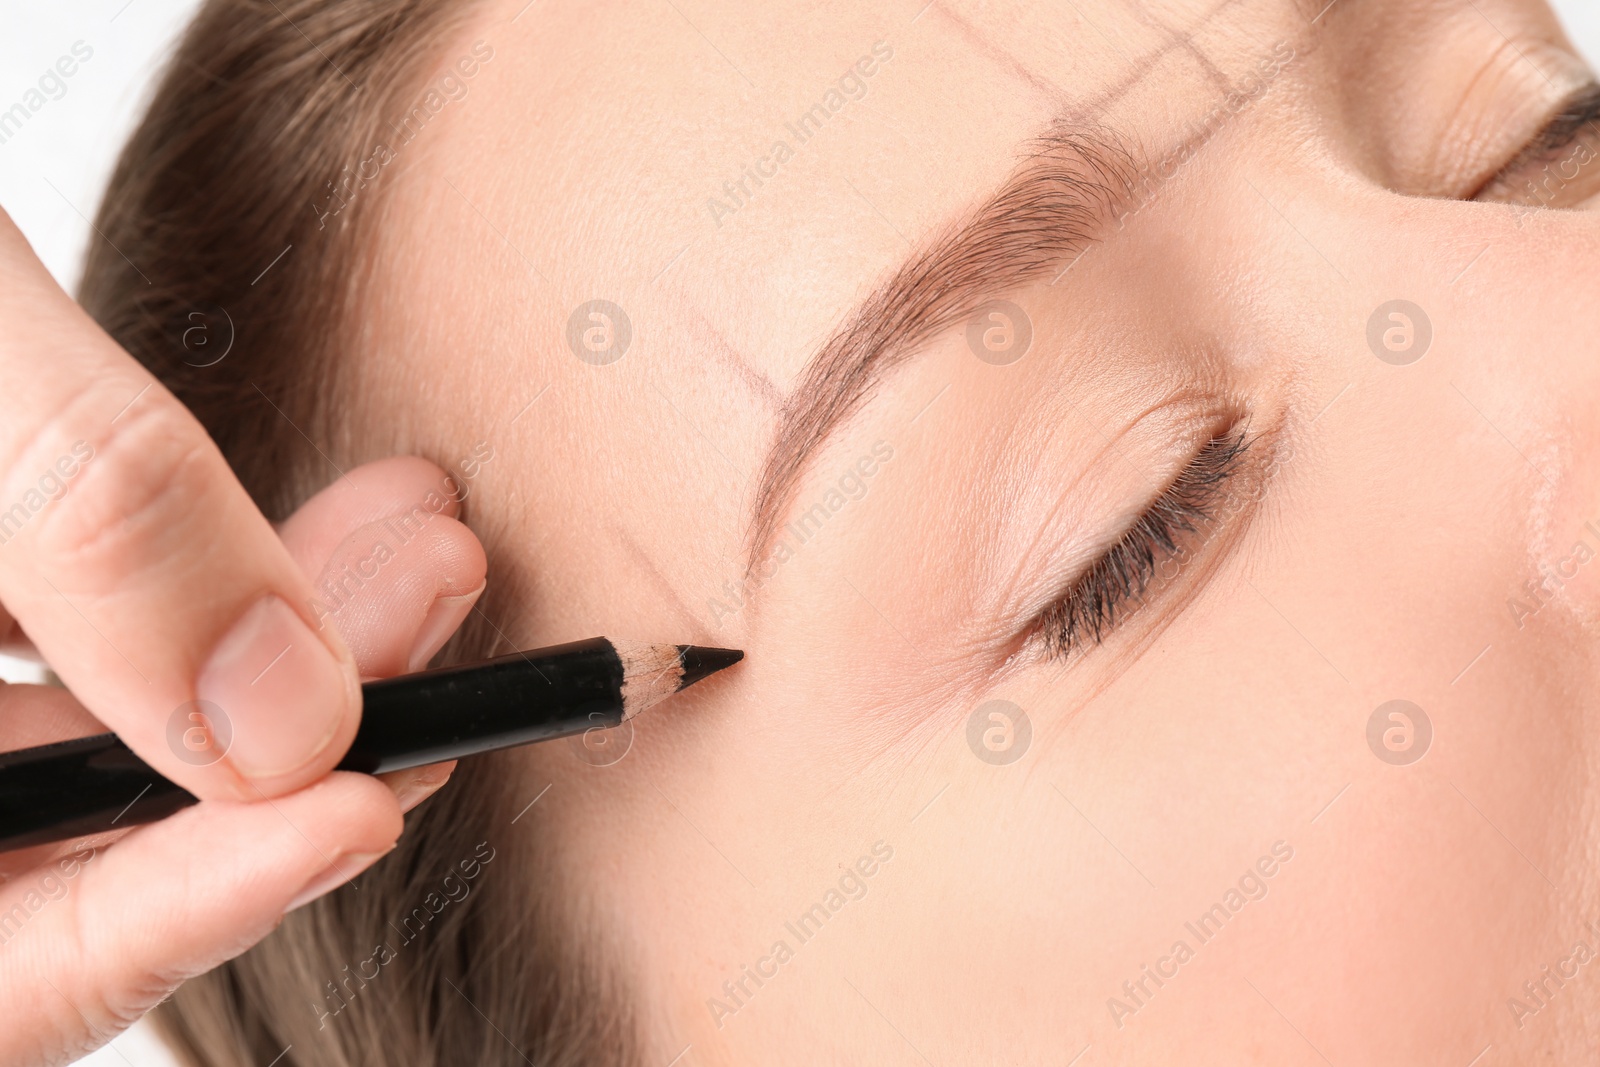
[609, 255]
[746, 173]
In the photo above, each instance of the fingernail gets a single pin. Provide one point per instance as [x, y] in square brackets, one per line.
[335, 875]
[423, 786]
[444, 617]
[283, 691]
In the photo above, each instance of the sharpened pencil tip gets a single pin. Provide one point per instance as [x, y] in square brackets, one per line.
[701, 660]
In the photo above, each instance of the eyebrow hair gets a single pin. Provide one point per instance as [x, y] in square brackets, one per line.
[1053, 207]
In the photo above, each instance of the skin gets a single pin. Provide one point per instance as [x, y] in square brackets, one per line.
[1393, 512]
[110, 485]
[1386, 516]
[103, 582]
[100, 929]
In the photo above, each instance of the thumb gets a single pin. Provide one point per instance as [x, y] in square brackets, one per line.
[139, 566]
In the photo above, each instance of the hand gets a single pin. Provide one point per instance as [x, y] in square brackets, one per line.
[135, 565]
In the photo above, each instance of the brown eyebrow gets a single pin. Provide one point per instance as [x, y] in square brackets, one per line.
[1052, 208]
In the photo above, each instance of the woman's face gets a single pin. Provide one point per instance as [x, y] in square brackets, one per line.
[700, 299]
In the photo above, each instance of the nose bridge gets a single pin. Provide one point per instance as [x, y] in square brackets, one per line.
[1434, 316]
[1514, 323]
[1542, 338]
[1471, 321]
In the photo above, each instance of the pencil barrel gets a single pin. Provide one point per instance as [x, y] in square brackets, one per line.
[453, 712]
[89, 785]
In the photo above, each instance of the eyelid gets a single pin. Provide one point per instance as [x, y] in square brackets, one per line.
[1085, 508]
[1113, 586]
[1577, 116]
[1186, 520]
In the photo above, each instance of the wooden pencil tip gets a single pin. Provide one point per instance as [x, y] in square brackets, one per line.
[651, 673]
[701, 660]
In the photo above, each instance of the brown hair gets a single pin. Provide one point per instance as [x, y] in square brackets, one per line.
[218, 234]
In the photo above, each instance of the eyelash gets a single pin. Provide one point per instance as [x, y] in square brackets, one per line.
[1574, 122]
[1096, 601]
[1115, 584]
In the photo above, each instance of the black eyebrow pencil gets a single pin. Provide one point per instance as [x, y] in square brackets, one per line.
[90, 785]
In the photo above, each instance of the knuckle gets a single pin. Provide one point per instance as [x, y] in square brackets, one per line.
[112, 995]
[132, 502]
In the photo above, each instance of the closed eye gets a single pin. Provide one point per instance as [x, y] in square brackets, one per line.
[1116, 583]
[1557, 168]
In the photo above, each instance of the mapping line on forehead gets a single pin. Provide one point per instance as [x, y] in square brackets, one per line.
[1092, 109]
[1184, 39]
[720, 349]
[1180, 39]
[1213, 72]
[1055, 204]
[1051, 209]
[688, 620]
[982, 46]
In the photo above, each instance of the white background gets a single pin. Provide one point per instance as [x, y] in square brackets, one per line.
[52, 171]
